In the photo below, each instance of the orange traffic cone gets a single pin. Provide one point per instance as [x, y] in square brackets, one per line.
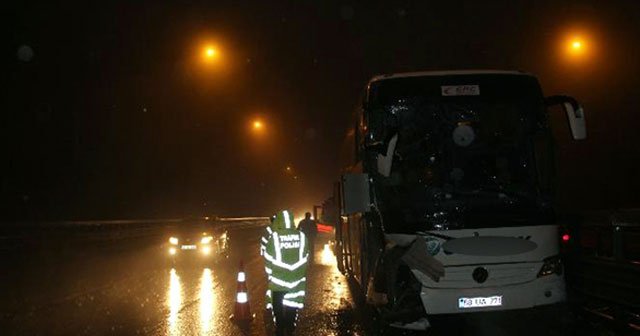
[241, 311]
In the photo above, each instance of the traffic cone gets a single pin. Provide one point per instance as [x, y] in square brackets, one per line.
[241, 311]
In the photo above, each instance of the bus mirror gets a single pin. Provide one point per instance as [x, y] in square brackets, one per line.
[355, 193]
[575, 115]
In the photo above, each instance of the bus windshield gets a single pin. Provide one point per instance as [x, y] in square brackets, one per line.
[463, 154]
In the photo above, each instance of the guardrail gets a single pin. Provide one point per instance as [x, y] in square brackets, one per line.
[603, 265]
[242, 222]
[608, 235]
[130, 223]
[15, 236]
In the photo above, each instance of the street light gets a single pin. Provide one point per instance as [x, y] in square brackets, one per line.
[208, 59]
[576, 46]
[258, 127]
[210, 53]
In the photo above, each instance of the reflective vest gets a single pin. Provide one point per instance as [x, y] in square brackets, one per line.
[286, 255]
[265, 239]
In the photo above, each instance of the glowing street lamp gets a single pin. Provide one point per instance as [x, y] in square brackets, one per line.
[578, 49]
[576, 46]
[258, 125]
[210, 53]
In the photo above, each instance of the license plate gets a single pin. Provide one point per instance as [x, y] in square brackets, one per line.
[476, 302]
[189, 247]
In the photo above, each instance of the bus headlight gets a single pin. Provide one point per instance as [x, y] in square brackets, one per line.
[206, 240]
[172, 250]
[552, 265]
[173, 240]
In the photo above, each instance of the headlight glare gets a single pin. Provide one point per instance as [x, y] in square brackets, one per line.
[173, 240]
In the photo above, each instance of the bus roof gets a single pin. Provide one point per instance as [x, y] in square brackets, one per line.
[447, 73]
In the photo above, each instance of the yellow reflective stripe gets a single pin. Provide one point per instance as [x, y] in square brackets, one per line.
[277, 261]
[267, 255]
[294, 295]
[287, 221]
[287, 284]
[292, 304]
[291, 267]
[302, 239]
[276, 242]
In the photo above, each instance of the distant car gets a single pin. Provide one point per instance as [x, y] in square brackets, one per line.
[197, 243]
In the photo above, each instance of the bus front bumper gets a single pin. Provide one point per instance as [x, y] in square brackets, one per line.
[542, 291]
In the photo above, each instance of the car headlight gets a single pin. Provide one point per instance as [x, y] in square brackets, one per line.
[206, 240]
[173, 240]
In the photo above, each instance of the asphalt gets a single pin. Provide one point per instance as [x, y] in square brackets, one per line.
[73, 289]
[136, 291]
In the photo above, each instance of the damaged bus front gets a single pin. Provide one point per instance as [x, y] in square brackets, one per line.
[447, 206]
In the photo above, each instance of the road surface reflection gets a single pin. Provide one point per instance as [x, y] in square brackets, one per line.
[338, 288]
[208, 301]
[174, 302]
[192, 310]
[326, 256]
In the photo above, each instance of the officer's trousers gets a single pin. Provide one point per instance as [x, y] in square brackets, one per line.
[285, 316]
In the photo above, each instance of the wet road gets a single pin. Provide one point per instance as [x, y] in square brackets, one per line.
[134, 290]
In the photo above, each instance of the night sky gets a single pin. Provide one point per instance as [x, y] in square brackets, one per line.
[114, 115]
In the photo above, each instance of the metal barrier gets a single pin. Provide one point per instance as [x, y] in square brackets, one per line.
[242, 222]
[103, 233]
[603, 265]
[611, 236]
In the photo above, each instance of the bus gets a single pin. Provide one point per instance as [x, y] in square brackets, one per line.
[463, 160]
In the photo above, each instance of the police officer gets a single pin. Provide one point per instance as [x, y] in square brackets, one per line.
[286, 254]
